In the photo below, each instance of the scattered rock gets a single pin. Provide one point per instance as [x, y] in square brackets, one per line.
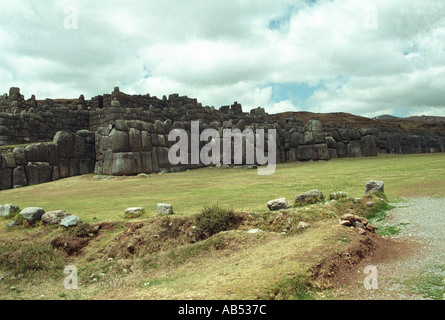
[164, 209]
[143, 175]
[136, 211]
[373, 186]
[254, 231]
[278, 204]
[345, 223]
[303, 225]
[32, 214]
[54, 217]
[8, 209]
[309, 197]
[70, 221]
[351, 220]
[350, 217]
[13, 223]
[357, 224]
[338, 195]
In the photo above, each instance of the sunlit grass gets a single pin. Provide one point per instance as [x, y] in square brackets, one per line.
[189, 192]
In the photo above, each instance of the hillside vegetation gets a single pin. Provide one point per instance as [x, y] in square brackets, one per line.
[205, 250]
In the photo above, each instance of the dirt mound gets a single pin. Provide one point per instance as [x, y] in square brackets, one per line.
[152, 236]
[74, 240]
[343, 266]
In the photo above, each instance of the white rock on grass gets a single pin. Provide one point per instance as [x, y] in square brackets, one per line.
[303, 225]
[54, 217]
[134, 211]
[278, 204]
[164, 209]
[254, 231]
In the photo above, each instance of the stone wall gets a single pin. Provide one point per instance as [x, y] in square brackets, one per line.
[121, 134]
[70, 154]
[33, 121]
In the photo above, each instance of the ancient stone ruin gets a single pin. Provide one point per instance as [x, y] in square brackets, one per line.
[121, 134]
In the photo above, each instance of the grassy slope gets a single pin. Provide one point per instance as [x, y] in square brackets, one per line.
[230, 265]
[93, 201]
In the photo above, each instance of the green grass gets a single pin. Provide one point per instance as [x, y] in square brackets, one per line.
[431, 285]
[228, 265]
[188, 192]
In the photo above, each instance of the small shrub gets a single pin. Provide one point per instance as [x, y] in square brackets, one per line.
[214, 219]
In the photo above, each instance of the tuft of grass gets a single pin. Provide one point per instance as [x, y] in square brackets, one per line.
[29, 258]
[215, 219]
[298, 287]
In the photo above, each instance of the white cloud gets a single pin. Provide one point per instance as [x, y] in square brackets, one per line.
[370, 56]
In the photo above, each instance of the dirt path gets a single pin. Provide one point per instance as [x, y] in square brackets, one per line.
[420, 249]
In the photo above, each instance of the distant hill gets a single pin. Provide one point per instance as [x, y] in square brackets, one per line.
[427, 118]
[422, 123]
[385, 117]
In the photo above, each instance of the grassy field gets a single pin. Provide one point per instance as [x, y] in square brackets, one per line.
[188, 192]
[153, 258]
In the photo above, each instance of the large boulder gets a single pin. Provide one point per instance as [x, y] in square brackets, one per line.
[368, 145]
[125, 164]
[19, 177]
[120, 141]
[32, 214]
[65, 142]
[5, 179]
[278, 204]
[373, 186]
[20, 156]
[54, 217]
[309, 197]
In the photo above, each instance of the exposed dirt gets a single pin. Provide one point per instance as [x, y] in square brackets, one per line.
[409, 254]
[344, 269]
[73, 241]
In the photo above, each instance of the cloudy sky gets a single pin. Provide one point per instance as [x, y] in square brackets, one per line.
[363, 57]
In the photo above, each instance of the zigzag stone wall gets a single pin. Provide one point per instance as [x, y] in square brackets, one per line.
[122, 134]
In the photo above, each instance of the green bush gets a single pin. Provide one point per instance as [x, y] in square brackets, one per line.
[214, 219]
